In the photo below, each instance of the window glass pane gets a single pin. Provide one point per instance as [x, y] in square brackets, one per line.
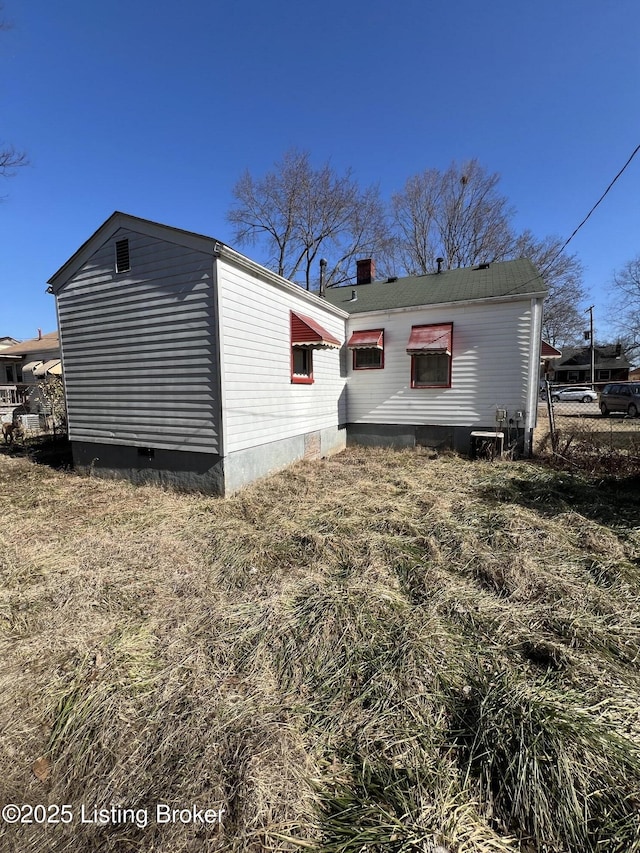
[367, 357]
[301, 361]
[431, 369]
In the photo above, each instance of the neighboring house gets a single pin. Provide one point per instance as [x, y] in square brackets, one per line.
[7, 369]
[574, 368]
[10, 396]
[23, 364]
[6, 341]
[187, 363]
[634, 375]
[549, 355]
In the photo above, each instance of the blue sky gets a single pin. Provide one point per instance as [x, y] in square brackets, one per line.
[156, 108]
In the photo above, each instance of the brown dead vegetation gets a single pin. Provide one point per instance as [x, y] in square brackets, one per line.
[380, 651]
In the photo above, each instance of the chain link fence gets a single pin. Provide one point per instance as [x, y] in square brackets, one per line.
[601, 424]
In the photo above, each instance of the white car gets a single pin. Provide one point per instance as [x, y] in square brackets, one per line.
[582, 395]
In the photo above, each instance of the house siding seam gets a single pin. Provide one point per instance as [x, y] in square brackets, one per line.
[140, 348]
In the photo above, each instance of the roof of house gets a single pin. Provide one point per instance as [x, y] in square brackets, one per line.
[46, 343]
[7, 341]
[488, 281]
[548, 351]
[169, 233]
[605, 357]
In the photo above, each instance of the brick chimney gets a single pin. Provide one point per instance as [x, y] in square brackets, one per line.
[366, 271]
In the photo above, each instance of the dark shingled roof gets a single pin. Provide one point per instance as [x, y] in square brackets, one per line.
[605, 357]
[507, 278]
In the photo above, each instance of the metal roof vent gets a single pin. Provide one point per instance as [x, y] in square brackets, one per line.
[354, 296]
[323, 276]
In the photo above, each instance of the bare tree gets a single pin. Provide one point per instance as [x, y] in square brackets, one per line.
[457, 215]
[414, 217]
[297, 212]
[624, 310]
[564, 318]
[10, 159]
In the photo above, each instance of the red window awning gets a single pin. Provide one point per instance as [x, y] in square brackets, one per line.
[430, 339]
[371, 339]
[306, 332]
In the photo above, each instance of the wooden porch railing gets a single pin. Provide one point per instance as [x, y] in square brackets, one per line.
[13, 395]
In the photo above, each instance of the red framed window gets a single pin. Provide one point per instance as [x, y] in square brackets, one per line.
[430, 348]
[368, 349]
[302, 365]
[306, 335]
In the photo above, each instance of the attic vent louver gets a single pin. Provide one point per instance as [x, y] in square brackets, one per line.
[122, 256]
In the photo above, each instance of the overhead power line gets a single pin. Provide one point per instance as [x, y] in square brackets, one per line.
[569, 239]
[575, 231]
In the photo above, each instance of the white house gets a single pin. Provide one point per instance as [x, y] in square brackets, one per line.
[452, 350]
[187, 363]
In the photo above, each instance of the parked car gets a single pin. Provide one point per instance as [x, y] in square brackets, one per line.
[553, 389]
[583, 395]
[620, 397]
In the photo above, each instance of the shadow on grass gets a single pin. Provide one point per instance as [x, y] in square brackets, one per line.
[613, 501]
[54, 451]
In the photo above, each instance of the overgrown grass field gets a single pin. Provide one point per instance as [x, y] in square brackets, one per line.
[376, 652]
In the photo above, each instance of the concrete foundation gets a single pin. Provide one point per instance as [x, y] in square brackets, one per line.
[181, 470]
[204, 472]
[245, 466]
[418, 435]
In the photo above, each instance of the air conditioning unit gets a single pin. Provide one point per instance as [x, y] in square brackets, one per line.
[30, 423]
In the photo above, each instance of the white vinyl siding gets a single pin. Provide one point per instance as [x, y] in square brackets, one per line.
[489, 368]
[140, 352]
[260, 402]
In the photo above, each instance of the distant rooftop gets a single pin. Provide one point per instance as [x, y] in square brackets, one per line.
[48, 341]
[606, 355]
[486, 281]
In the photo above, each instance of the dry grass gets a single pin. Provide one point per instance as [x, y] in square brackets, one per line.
[589, 442]
[377, 652]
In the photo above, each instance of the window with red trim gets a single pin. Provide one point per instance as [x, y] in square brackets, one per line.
[368, 349]
[368, 359]
[431, 370]
[302, 365]
[430, 350]
[306, 335]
